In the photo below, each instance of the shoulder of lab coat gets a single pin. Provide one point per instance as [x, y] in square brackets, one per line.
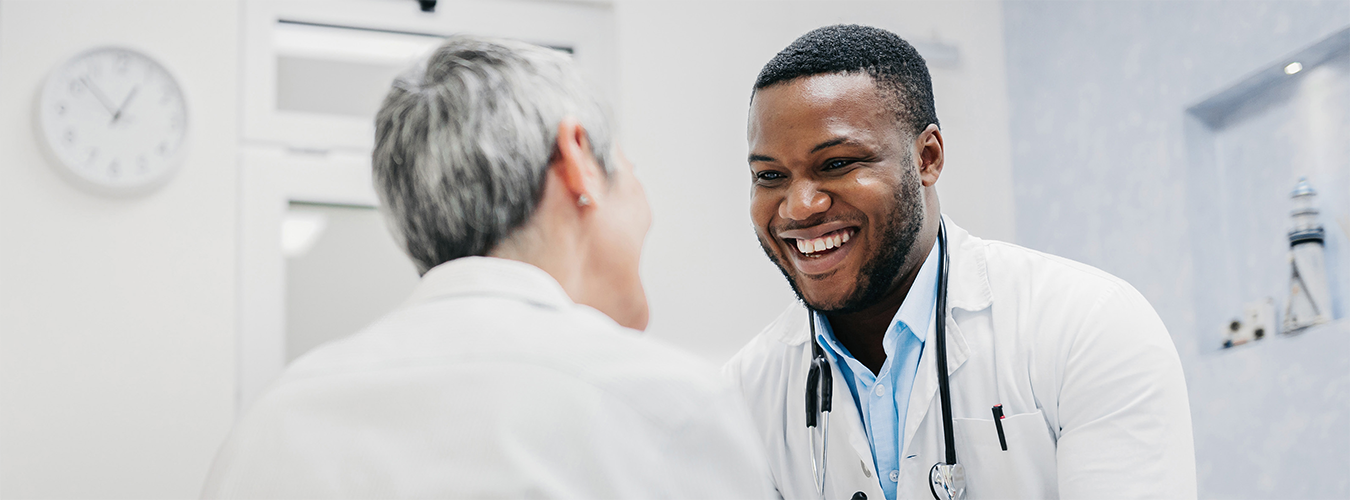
[761, 372]
[1102, 368]
[491, 396]
[1119, 407]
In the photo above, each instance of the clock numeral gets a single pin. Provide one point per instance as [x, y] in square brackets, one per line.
[93, 153]
[76, 87]
[142, 164]
[114, 169]
[61, 109]
[164, 148]
[68, 137]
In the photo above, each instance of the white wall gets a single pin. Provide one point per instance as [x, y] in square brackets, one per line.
[117, 316]
[686, 71]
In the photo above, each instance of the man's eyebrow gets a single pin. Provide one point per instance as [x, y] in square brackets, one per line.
[824, 145]
[832, 143]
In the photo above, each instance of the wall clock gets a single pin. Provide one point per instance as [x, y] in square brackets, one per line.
[114, 121]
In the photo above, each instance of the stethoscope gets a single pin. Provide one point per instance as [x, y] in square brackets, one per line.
[947, 480]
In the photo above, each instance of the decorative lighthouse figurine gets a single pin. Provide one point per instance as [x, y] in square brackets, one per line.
[1309, 294]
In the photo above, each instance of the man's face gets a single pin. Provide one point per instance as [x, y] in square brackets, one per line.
[836, 199]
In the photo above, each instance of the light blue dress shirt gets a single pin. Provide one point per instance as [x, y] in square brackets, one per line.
[883, 398]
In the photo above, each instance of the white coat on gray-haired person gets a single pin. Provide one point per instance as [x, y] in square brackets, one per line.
[515, 370]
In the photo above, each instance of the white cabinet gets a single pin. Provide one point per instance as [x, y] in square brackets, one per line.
[315, 72]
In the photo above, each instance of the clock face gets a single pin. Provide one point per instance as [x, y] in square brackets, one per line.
[114, 119]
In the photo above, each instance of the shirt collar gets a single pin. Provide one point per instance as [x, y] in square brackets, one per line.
[916, 312]
[490, 276]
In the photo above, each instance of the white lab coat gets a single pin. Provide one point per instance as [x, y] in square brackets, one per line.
[1087, 374]
[491, 383]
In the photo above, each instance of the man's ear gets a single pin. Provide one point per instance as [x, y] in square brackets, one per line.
[575, 163]
[930, 149]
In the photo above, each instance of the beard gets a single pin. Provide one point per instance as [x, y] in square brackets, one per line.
[880, 272]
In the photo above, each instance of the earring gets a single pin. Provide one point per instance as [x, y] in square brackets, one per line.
[583, 200]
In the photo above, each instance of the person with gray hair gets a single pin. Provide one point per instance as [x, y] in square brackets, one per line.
[515, 369]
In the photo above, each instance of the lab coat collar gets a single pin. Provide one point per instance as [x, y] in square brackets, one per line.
[490, 276]
[967, 288]
[968, 283]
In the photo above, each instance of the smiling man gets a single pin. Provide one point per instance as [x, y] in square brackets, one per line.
[1063, 380]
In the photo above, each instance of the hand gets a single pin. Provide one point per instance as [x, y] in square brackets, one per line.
[103, 99]
[118, 114]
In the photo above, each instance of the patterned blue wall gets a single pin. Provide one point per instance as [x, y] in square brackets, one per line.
[1109, 169]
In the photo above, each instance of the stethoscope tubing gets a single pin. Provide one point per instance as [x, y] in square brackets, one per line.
[819, 389]
[940, 340]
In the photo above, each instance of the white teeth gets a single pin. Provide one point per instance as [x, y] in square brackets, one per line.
[822, 243]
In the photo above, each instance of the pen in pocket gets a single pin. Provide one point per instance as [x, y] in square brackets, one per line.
[998, 424]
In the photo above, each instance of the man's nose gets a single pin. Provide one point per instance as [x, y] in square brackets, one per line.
[804, 199]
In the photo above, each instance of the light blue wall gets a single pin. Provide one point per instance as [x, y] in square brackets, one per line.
[1242, 166]
[1109, 169]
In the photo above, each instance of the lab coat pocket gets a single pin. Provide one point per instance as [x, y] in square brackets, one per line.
[1025, 470]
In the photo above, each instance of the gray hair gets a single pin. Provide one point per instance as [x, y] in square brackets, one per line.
[464, 140]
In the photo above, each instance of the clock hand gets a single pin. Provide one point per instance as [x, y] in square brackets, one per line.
[125, 102]
[97, 93]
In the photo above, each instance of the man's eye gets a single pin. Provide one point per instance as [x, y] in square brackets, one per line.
[837, 164]
[768, 175]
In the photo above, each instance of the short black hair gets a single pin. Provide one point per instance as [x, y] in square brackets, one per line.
[898, 70]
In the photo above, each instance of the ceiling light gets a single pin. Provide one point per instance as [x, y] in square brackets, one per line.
[1293, 67]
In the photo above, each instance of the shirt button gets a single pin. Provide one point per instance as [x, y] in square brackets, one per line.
[881, 390]
[895, 476]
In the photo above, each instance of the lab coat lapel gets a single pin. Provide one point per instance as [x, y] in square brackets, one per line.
[968, 289]
[925, 379]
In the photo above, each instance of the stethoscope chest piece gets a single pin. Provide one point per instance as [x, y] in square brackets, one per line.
[948, 481]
